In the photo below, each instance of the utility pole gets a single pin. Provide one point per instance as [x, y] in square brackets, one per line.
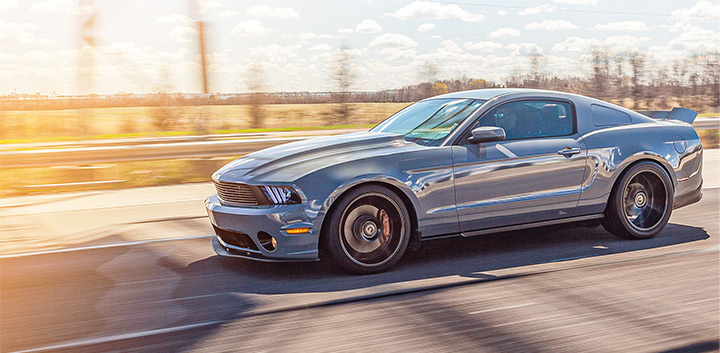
[203, 59]
[85, 55]
[195, 13]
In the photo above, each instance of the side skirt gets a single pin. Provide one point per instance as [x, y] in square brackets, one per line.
[586, 218]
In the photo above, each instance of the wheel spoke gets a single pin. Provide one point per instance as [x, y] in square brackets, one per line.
[372, 229]
[644, 201]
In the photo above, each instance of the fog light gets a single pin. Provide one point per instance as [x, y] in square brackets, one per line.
[297, 230]
[267, 241]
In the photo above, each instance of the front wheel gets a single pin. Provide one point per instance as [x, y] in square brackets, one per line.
[369, 230]
[641, 202]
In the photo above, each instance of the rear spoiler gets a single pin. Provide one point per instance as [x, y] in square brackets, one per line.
[682, 114]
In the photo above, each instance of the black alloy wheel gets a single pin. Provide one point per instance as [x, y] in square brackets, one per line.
[369, 230]
[641, 202]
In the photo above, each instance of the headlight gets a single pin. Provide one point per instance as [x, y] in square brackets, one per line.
[281, 195]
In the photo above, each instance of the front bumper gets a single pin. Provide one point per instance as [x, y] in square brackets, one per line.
[237, 230]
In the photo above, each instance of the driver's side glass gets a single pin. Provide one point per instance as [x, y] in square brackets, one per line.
[530, 119]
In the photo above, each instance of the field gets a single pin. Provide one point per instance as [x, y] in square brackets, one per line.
[53, 125]
[102, 123]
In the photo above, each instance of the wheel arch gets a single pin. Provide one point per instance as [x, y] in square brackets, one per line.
[645, 157]
[322, 219]
[624, 170]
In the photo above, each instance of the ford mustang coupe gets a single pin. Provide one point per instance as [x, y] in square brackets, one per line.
[465, 163]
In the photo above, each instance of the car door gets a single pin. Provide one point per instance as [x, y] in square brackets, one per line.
[535, 174]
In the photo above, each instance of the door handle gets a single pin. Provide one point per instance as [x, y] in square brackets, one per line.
[567, 151]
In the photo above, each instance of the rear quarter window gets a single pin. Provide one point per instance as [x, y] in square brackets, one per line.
[604, 116]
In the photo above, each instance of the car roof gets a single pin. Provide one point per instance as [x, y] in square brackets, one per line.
[490, 93]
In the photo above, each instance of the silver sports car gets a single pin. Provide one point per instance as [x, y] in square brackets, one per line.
[465, 163]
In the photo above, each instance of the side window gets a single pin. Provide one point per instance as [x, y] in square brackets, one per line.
[530, 119]
[603, 116]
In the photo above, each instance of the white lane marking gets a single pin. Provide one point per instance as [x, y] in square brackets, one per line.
[124, 336]
[526, 320]
[505, 151]
[503, 308]
[711, 187]
[44, 209]
[103, 246]
[703, 301]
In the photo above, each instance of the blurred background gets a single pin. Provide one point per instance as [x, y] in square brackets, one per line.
[106, 73]
[114, 114]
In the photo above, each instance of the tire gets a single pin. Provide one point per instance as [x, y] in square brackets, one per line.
[640, 203]
[368, 230]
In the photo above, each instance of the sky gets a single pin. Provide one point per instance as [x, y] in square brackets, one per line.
[144, 46]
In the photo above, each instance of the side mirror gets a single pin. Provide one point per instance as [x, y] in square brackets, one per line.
[487, 134]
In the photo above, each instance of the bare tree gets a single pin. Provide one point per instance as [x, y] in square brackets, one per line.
[535, 75]
[344, 79]
[619, 76]
[430, 71]
[256, 85]
[637, 63]
[601, 72]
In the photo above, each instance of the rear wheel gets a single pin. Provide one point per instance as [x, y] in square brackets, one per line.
[369, 230]
[641, 202]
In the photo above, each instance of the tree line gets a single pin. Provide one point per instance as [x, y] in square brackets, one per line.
[631, 79]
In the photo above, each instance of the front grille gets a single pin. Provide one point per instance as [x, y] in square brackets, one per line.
[241, 240]
[236, 193]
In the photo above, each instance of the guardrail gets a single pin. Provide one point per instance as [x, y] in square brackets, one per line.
[136, 153]
[187, 147]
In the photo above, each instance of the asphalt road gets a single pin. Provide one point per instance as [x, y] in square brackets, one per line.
[562, 290]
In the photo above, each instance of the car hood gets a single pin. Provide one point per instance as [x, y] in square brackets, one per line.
[289, 161]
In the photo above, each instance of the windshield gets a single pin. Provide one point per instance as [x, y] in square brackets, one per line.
[428, 122]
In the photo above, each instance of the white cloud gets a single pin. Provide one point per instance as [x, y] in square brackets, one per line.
[272, 12]
[528, 49]
[227, 13]
[622, 26]
[551, 25]
[65, 7]
[392, 40]
[175, 19]
[250, 28]
[694, 39]
[322, 47]
[702, 10]
[623, 42]
[13, 32]
[502, 12]
[576, 44]
[274, 52]
[504, 33]
[577, 2]
[436, 10]
[614, 43]
[345, 31]
[368, 26]
[6, 5]
[205, 5]
[426, 27]
[182, 34]
[482, 46]
[537, 9]
[398, 53]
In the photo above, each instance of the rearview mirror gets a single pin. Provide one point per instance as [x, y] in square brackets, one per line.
[487, 134]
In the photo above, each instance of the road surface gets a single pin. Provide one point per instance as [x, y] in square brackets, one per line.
[133, 270]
